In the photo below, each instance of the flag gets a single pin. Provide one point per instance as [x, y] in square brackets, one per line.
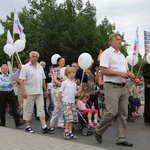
[136, 44]
[9, 38]
[18, 28]
[99, 56]
[147, 42]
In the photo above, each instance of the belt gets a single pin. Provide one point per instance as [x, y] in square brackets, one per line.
[118, 84]
[6, 92]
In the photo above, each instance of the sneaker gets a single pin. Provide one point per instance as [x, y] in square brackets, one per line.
[67, 136]
[48, 130]
[95, 123]
[72, 136]
[90, 124]
[29, 129]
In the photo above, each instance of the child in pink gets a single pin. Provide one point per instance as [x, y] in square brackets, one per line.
[81, 105]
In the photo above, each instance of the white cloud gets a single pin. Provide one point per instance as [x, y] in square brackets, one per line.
[126, 14]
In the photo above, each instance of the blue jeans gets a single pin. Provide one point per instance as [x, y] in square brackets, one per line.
[51, 101]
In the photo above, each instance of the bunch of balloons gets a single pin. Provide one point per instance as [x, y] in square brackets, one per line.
[18, 46]
[84, 60]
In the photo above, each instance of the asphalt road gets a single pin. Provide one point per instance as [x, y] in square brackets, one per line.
[137, 132]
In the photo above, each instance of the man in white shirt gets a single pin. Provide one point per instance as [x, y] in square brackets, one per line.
[113, 66]
[32, 82]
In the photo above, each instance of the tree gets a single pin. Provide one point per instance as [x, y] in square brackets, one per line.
[68, 29]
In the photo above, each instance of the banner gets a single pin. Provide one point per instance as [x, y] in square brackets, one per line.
[18, 28]
[136, 44]
[147, 42]
[9, 38]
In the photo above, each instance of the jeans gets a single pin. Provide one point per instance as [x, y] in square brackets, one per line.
[51, 101]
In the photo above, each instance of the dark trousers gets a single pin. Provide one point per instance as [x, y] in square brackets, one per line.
[8, 97]
[93, 99]
[130, 115]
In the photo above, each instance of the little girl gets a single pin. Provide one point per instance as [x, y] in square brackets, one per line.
[81, 105]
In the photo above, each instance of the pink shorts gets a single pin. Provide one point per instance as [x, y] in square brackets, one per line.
[92, 111]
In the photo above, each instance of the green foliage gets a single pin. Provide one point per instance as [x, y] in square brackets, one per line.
[68, 29]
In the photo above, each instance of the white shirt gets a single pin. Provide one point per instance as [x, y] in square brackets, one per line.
[33, 78]
[68, 89]
[114, 60]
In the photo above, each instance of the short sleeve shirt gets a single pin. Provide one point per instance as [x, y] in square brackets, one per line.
[68, 89]
[33, 78]
[114, 60]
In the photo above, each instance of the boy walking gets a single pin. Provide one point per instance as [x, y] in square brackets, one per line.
[67, 93]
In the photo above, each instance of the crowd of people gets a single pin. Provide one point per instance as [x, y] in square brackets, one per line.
[81, 90]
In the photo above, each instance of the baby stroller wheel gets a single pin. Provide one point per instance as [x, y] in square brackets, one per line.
[85, 131]
[89, 131]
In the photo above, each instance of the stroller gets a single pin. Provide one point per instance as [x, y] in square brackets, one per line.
[83, 124]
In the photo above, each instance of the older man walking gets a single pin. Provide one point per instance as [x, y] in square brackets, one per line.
[32, 82]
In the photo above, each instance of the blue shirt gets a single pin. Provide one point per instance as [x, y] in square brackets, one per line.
[5, 81]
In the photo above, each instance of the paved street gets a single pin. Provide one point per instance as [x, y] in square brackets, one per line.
[17, 139]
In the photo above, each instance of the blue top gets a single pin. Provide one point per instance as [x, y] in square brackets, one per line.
[5, 81]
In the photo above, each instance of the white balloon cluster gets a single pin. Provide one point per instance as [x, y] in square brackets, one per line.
[132, 60]
[84, 60]
[18, 46]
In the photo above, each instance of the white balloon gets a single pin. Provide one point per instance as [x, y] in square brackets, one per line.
[9, 49]
[85, 60]
[54, 58]
[62, 72]
[19, 45]
[132, 60]
[148, 58]
[127, 58]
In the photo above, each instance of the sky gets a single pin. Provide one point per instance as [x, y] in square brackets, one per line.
[126, 14]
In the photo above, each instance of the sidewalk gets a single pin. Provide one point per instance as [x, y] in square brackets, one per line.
[13, 139]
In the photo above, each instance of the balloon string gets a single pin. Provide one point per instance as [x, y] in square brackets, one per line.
[19, 58]
[11, 67]
[132, 65]
[82, 78]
